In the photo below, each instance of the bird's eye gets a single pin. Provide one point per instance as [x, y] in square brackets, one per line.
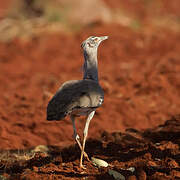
[94, 38]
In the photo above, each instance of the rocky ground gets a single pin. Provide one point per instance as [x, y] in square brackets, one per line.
[149, 154]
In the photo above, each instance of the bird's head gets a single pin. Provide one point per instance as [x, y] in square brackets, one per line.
[92, 43]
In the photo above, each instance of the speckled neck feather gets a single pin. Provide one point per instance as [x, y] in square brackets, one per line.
[91, 65]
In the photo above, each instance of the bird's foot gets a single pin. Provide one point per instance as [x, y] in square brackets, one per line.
[82, 167]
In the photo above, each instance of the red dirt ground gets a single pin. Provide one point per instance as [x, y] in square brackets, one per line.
[140, 73]
[153, 154]
[4, 4]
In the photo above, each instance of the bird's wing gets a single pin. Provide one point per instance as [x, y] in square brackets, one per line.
[75, 94]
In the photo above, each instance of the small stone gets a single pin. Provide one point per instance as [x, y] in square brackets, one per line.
[116, 175]
[99, 162]
[132, 169]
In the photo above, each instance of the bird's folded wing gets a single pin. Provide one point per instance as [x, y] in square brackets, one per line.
[75, 94]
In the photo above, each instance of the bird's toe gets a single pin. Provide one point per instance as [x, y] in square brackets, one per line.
[82, 167]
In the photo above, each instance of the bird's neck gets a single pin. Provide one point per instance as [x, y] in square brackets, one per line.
[90, 66]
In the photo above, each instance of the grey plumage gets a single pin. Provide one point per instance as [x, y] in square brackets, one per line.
[75, 95]
[80, 97]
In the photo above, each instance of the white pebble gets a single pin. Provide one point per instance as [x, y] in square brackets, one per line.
[99, 162]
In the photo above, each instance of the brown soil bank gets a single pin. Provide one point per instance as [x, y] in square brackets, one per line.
[149, 154]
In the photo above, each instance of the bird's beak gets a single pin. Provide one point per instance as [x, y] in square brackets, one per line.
[102, 38]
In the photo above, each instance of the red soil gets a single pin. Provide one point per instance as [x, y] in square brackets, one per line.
[140, 74]
[153, 154]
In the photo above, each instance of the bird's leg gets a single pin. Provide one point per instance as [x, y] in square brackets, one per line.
[77, 138]
[89, 117]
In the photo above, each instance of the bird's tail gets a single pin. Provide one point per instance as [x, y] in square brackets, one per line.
[53, 114]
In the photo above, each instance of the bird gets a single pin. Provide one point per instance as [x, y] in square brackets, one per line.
[80, 97]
